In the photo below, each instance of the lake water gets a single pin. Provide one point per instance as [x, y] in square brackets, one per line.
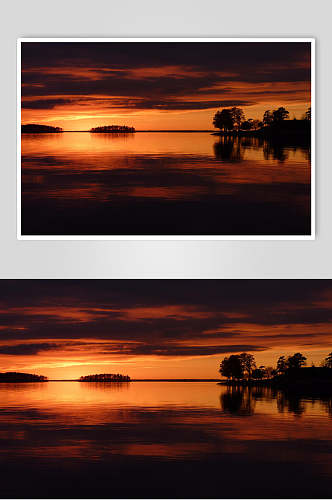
[163, 184]
[162, 440]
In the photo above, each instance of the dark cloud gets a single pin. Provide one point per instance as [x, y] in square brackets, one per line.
[26, 349]
[124, 70]
[176, 350]
[212, 56]
[45, 103]
[161, 317]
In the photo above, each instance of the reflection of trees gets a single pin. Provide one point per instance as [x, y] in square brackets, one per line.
[114, 135]
[233, 148]
[327, 405]
[229, 148]
[279, 150]
[241, 401]
[297, 404]
[292, 403]
[238, 400]
[107, 386]
[274, 150]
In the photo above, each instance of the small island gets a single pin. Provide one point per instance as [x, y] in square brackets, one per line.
[113, 129]
[15, 377]
[105, 377]
[32, 128]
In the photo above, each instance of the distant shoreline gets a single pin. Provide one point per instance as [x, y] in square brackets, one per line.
[125, 133]
[144, 380]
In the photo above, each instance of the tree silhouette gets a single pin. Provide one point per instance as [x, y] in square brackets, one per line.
[21, 377]
[296, 361]
[224, 120]
[328, 361]
[259, 373]
[282, 365]
[279, 115]
[267, 118]
[115, 129]
[248, 363]
[232, 367]
[247, 124]
[105, 377]
[34, 128]
[238, 117]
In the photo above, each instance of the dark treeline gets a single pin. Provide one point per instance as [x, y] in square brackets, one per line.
[241, 369]
[32, 128]
[113, 129]
[105, 377]
[21, 377]
[233, 121]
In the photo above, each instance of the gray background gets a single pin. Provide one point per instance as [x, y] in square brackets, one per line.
[180, 18]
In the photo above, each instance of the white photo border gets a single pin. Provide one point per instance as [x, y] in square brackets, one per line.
[311, 237]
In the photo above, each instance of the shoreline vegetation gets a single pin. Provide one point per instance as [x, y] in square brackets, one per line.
[274, 125]
[290, 374]
[35, 128]
[105, 377]
[9, 377]
[113, 129]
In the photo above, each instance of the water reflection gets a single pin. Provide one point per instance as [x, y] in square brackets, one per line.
[236, 149]
[171, 439]
[237, 401]
[241, 401]
[159, 183]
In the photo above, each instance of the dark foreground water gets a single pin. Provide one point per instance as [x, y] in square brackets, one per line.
[163, 184]
[170, 439]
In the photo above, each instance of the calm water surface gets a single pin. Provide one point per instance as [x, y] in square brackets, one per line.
[170, 439]
[163, 183]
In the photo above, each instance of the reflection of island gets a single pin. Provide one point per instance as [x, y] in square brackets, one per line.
[32, 128]
[21, 377]
[105, 377]
[113, 129]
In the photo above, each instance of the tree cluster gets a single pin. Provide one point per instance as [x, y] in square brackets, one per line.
[327, 362]
[243, 366]
[113, 129]
[291, 362]
[238, 366]
[233, 119]
[32, 128]
[21, 377]
[105, 377]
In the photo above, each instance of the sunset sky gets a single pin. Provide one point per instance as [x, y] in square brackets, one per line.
[158, 86]
[159, 328]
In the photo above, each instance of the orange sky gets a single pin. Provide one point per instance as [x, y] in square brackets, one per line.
[160, 86]
[159, 328]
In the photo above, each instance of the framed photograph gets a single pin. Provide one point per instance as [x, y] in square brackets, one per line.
[166, 138]
[166, 388]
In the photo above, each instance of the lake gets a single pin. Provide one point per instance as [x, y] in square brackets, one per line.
[162, 440]
[163, 184]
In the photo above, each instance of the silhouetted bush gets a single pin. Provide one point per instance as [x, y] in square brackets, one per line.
[105, 377]
[21, 377]
[39, 129]
[113, 129]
